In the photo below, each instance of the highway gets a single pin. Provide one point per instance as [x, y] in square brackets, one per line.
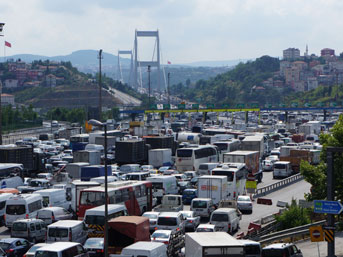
[125, 99]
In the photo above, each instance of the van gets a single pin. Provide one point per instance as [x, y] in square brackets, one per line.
[171, 221]
[146, 249]
[225, 219]
[54, 197]
[24, 206]
[3, 198]
[52, 214]
[188, 195]
[95, 217]
[67, 231]
[282, 169]
[137, 176]
[202, 207]
[163, 185]
[252, 248]
[62, 249]
[33, 230]
[206, 168]
[127, 168]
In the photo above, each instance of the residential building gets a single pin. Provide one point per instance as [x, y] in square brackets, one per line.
[50, 80]
[291, 54]
[283, 66]
[327, 52]
[7, 99]
[312, 83]
[11, 83]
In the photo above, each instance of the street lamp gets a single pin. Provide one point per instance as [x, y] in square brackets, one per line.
[1, 28]
[104, 125]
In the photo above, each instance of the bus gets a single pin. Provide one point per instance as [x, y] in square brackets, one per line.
[227, 146]
[136, 196]
[236, 174]
[190, 158]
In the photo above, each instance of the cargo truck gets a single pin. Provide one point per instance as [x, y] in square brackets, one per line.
[213, 244]
[250, 159]
[74, 169]
[92, 157]
[214, 187]
[160, 157]
[93, 171]
[170, 203]
[131, 151]
[254, 143]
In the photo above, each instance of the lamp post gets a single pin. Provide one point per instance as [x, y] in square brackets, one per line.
[100, 100]
[104, 125]
[1, 28]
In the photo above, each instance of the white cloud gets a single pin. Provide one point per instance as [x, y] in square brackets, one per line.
[190, 30]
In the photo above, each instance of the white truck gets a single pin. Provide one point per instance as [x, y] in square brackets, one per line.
[147, 249]
[160, 157]
[170, 203]
[92, 157]
[213, 244]
[74, 169]
[214, 187]
[254, 143]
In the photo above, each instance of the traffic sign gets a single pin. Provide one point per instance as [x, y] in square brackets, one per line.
[153, 107]
[316, 233]
[181, 106]
[210, 106]
[329, 235]
[166, 106]
[329, 207]
[195, 106]
[250, 184]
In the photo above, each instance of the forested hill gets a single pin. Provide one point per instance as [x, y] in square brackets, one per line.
[243, 84]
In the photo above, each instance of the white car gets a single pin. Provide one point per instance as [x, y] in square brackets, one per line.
[244, 203]
[192, 221]
[152, 216]
[267, 165]
[162, 236]
[206, 228]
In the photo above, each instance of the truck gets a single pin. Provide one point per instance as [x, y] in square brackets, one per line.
[23, 155]
[93, 171]
[126, 230]
[130, 151]
[213, 244]
[74, 169]
[214, 187]
[160, 157]
[170, 203]
[254, 143]
[92, 157]
[147, 249]
[251, 160]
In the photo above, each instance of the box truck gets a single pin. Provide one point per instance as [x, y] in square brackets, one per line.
[214, 187]
[160, 157]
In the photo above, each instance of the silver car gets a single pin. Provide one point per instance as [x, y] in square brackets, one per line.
[152, 216]
[192, 221]
[244, 203]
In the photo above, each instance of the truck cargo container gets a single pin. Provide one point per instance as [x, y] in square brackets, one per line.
[214, 187]
[23, 155]
[249, 158]
[111, 141]
[74, 169]
[285, 150]
[254, 143]
[160, 157]
[92, 157]
[88, 172]
[130, 151]
[213, 244]
[192, 138]
[159, 142]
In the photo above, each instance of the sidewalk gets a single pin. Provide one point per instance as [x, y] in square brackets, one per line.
[310, 249]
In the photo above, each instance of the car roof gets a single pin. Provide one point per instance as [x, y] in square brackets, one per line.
[58, 246]
[168, 214]
[163, 231]
[206, 226]
[277, 246]
[10, 240]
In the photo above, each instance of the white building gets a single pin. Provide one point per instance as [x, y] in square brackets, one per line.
[7, 99]
[11, 83]
[291, 54]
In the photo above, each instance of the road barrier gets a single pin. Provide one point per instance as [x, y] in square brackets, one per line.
[277, 185]
[264, 201]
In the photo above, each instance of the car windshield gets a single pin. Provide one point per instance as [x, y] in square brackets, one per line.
[150, 215]
[15, 209]
[184, 153]
[34, 183]
[34, 248]
[204, 230]
[45, 254]
[160, 235]
[58, 232]
[228, 174]
[243, 199]
[187, 214]
[94, 243]
[167, 221]
[273, 253]
[95, 220]
[252, 249]
[219, 217]
[157, 185]
[19, 226]
[280, 166]
[4, 245]
[189, 192]
[199, 204]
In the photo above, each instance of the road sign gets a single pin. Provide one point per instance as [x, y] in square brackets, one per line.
[250, 184]
[181, 106]
[330, 207]
[329, 235]
[166, 106]
[210, 106]
[153, 107]
[195, 106]
[316, 233]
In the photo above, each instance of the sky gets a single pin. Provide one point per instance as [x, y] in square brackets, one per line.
[190, 30]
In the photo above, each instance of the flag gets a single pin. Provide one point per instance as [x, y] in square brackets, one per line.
[8, 44]
[169, 62]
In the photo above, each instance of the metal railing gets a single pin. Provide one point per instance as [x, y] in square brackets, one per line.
[277, 185]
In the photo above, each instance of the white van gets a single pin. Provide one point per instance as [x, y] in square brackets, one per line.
[95, 217]
[62, 249]
[202, 207]
[52, 214]
[54, 197]
[163, 185]
[282, 169]
[127, 168]
[225, 219]
[67, 231]
[31, 229]
[137, 176]
[146, 249]
[24, 206]
[3, 198]
[206, 168]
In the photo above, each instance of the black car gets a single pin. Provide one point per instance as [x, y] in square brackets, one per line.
[95, 246]
[194, 181]
[15, 247]
[183, 185]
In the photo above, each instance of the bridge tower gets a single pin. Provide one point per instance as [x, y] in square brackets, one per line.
[120, 77]
[138, 63]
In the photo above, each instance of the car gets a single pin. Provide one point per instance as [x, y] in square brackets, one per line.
[162, 236]
[268, 165]
[152, 216]
[188, 195]
[206, 228]
[146, 167]
[170, 172]
[281, 249]
[179, 177]
[244, 203]
[95, 246]
[163, 169]
[15, 246]
[183, 185]
[192, 221]
[31, 252]
[194, 181]
[190, 174]
[273, 158]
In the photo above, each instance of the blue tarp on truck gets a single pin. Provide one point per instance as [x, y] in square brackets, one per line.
[94, 171]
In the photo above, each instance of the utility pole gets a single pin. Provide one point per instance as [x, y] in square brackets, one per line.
[149, 86]
[100, 100]
[1, 28]
[169, 88]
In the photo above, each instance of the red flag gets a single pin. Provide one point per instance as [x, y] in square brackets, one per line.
[8, 44]
[169, 62]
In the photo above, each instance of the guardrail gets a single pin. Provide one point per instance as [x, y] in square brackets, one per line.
[292, 232]
[277, 185]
